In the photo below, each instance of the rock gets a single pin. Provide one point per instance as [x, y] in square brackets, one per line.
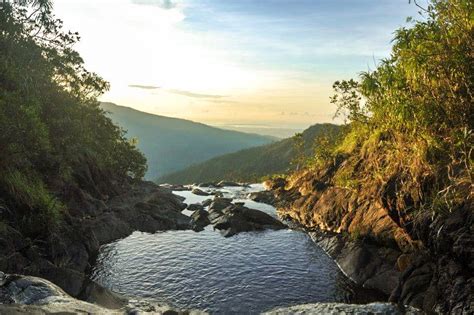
[263, 197]
[218, 194]
[364, 263]
[275, 184]
[199, 220]
[206, 202]
[32, 295]
[195, 206]
[340, 308]
[207, 185]
[219, 204]
[175, 187]
[64, 254]
[403, 262]
[228, 184]
[235, 219]
[199, 192]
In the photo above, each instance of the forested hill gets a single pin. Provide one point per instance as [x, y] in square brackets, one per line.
[251, 164]
[171, 144]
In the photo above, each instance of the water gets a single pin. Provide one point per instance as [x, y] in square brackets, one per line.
[244, 274]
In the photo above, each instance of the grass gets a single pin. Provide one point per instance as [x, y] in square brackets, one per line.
[30, 192]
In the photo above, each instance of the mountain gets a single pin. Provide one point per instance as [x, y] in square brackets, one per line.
[249, 164]
[171, 144]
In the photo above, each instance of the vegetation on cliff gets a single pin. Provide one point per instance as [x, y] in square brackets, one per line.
[397, 186]
[50, 121]
[412, 118]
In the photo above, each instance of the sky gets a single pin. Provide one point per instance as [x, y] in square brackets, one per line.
[235, 63]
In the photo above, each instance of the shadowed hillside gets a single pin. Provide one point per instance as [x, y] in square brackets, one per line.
[250, 164]
[171, 144]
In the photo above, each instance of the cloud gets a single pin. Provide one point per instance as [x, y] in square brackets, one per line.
[223, 101]
[195, 95]
[144, 87]
[164, 4]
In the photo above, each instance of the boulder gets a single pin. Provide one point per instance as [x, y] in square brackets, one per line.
[219, 203]
[175, 187]
[206, 203]
[207, 185]
[195, 207]
[263, 196]
[235, 219]
[32, 295]
[199, 220]
[199, 192]
[340, 308]
[228, 184]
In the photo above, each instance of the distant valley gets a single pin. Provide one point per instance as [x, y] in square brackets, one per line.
[172, 144]
[249, 164]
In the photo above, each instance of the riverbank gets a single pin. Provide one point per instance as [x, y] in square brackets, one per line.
[425, 263]
[67, 252]
[303, 273]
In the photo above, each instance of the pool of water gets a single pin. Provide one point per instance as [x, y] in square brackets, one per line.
[244, 274]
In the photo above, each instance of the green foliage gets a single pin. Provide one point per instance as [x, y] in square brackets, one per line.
[299, 158]
[50, 120]
[254, 164]
[30, 192]
[412, 119]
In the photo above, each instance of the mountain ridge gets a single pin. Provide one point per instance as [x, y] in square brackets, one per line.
[171, 144]
[249, 164]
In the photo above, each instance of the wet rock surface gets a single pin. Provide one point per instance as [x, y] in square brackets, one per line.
[339, 308]
[366, 264]
[199, 220]
[232, 219]
[200, 192]
[32, 295]
[265, 196]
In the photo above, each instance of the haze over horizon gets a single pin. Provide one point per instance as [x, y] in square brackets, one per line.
[233, 64]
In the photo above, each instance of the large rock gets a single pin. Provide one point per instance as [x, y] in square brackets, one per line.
[199, 220]
[265, 196]
[32, 295]
[199, 192]
[340, 308]
[382, 239]
[235, 219]
[195, 207]
[228, 184]
[366, 264]
[219, 204]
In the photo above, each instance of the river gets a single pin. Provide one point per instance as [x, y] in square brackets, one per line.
[244, 274]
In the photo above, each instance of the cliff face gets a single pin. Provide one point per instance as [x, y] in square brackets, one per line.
[417, 260]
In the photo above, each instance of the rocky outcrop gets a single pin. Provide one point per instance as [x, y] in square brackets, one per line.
[32, 295]
[265, 196]
[94, 217]
[200, 192]
[195, 207]
[368, 265]
[339, 308]
[424, 260]
[232, 219]
[199, 220]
